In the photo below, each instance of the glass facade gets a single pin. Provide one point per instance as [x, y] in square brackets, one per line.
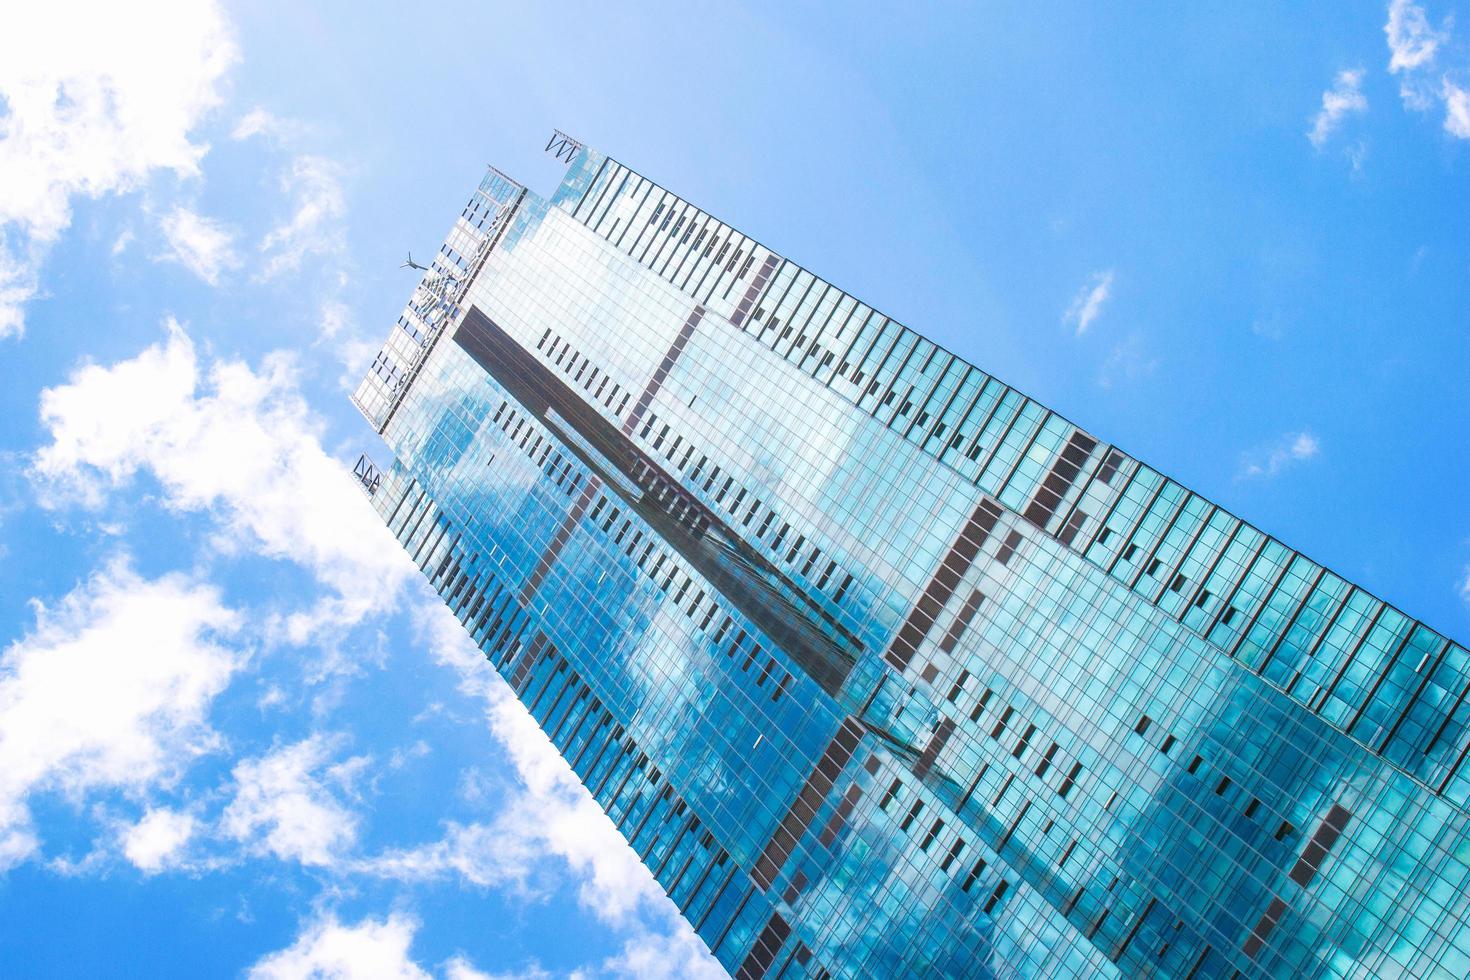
[882, 667]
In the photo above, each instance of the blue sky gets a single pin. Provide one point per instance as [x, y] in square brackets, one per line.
[238, 737]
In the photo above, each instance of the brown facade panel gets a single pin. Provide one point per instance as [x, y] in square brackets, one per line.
[942, 586]
[1264, 928]
[758, 961]
[961, 621]
[645, 398]
[1326, 835]
[560, 538]
[1069, 530]
[742, 309]
[528, 660]
[804, 808]
[1063, 474]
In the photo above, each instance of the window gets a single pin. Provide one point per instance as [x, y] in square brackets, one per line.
[975, 872]
[889, 796]
[1008, 547]
[959, 685]
[979, 708]
[913, 814]
[1070, 781]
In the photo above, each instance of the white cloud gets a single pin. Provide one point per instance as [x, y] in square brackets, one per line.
[1413, 44]
[498, 854]
[328, 950]
[1456, 110]
[110, 689]
[238, 442]
[374, 949]
[402, 756]
[283, 805]
[256, 122]
[18, 285]
[1411, 41]
[1287, 451]
[95, 98]
[652, 956]
[1343, 99]
[1088, 304]
[353, 348]
[314, 184]
[335, 316]
[202, 245]
[155, 842]
[459, 968]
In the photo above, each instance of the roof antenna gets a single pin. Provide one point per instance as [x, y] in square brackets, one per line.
[411, 264]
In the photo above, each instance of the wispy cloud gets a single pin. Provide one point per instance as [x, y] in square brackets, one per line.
[1271, 326]
[202, 245]
[1271, 460]
[256, 122]
[1457, 110]
[1343, 99]
[314, 185]
[1088, 304]
[1130, 360]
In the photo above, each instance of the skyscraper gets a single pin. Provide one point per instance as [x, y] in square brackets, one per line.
[882, 667]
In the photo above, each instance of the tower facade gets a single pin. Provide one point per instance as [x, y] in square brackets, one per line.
[883, 668]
